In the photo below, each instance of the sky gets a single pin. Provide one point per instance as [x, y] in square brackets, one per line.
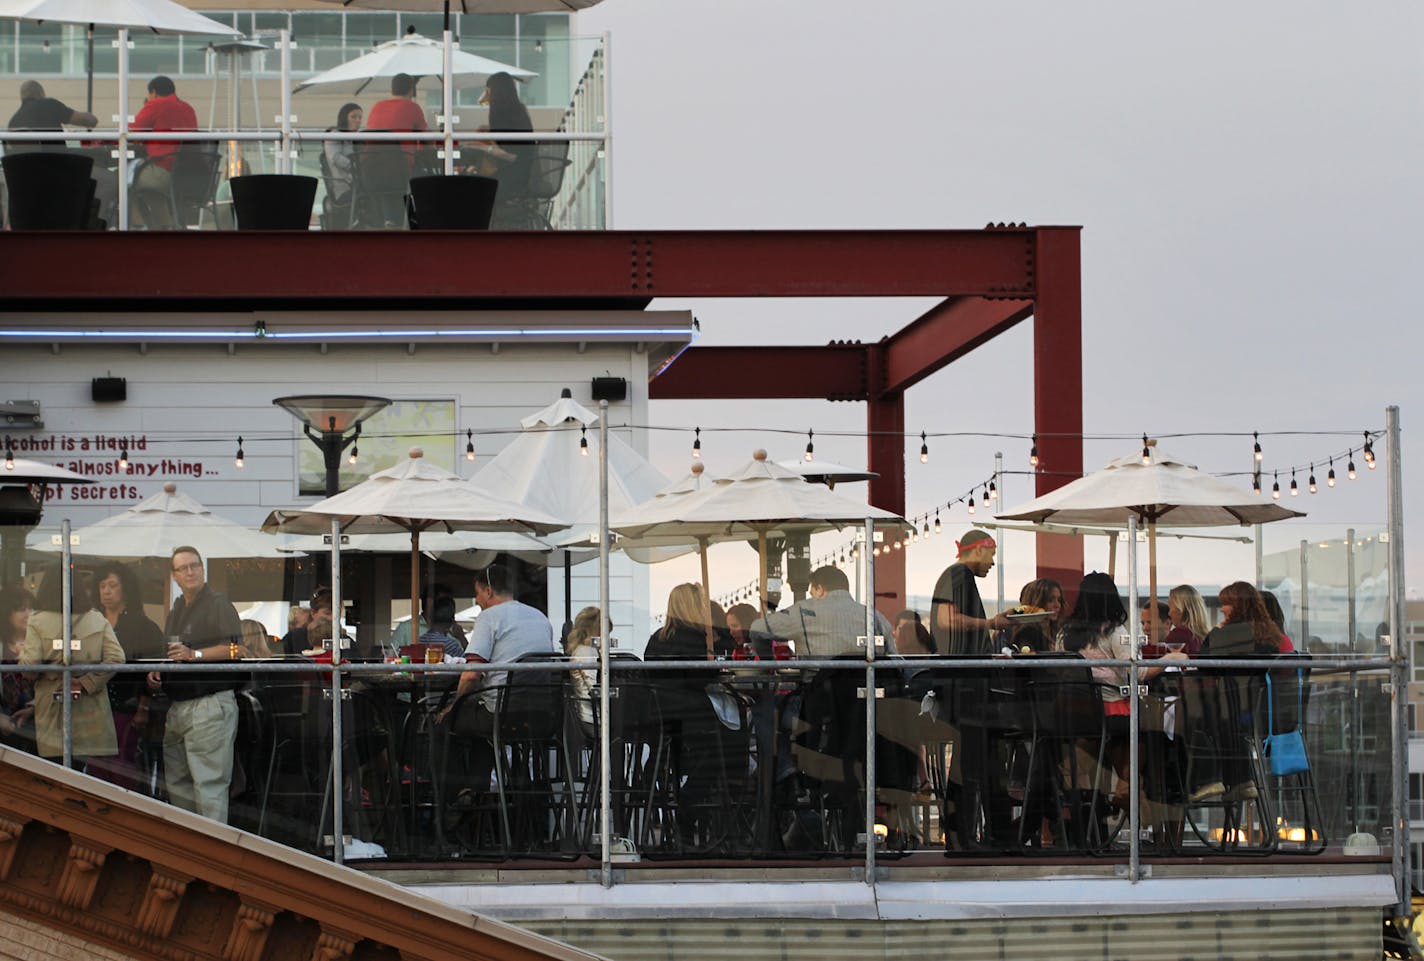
[1246, 176]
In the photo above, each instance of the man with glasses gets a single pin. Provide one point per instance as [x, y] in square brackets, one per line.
[202, 721]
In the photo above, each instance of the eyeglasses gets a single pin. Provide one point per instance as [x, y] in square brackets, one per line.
[188, 568]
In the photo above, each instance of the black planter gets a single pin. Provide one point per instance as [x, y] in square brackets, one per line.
[273, 201]
[452, 203]
[49, 190]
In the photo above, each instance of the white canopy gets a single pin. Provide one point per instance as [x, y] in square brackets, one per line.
[414, 55]
[22, 470]
[158, 16]
[154, 527]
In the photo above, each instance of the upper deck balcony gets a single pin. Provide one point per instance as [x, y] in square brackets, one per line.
[261, 108]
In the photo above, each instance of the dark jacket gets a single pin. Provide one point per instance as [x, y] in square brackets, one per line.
[142, 641]
[210, 619]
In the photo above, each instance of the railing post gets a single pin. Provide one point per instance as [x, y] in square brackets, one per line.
[1399, 660]
[1134, 855]
[998, 567]
[1305, 594]
[606, 144]
[284, 160]
[122, 151]
[869, 600]
[337, 775]
[605, 803]
[447, 97]
[66, 606]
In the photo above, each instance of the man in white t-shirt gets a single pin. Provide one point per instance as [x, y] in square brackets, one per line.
[505, 631]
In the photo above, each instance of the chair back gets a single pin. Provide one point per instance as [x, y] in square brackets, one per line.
[195, 173]
[273, 201]
[531, 702]
[546, 170]
[49, 190]
[1067, 700]
[452, 203]
[380, 168]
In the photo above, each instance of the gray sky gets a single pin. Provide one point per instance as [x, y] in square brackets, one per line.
[1246, 174]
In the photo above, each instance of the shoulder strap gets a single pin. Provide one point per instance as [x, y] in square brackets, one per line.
[1270, 706]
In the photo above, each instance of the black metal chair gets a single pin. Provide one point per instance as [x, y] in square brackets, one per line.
[379, 184]
[1069, 728]
[1301, 827]
[527, 206]
[49, 190]
[193, 180]
[642, 800]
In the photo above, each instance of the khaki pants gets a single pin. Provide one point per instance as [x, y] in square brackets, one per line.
[197, 753]
[152, 198]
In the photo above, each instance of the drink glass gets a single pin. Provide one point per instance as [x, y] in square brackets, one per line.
[433, 654]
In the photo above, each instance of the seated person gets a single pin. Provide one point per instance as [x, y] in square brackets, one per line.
[442, 622]
[829, 623]
[153, 181]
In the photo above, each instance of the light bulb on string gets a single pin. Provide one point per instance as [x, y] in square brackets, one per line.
[1256, 482]
[124, 459]
[810, 446]
[9, 454]
[993, 491]
[355, 452]
[238, 460]
[1146, 452]
[1294, 489]
[1310, 484]
[1033, 452]
[1369, 451]
[697, 443]
[971, 503]
[1350, 467]
[1257, 451]
[1330, 477]
[469, 445]
[875, 553]
[583, 440]
[895, 544]
[1276, 487]
[924, 448]
[937, 525]
[926, 531]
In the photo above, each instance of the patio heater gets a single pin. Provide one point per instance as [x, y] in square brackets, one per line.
[333, 422]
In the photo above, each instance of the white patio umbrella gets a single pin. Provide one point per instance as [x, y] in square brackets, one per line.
[826, 472]
[28, 484]
[414, 496]
[1157, 488]
[157, 16]
[154, 527]
[22, 470]
[414, 55]
[759, 501]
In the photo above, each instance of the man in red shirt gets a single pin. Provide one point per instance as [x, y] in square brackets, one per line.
[162, 110]
[399, 111]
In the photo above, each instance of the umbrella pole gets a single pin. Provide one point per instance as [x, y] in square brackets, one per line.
[1152, 575]
[414, 586]
[761, 566]
[89, 82]
[1112, 555]
[568, 593]
[706, 594]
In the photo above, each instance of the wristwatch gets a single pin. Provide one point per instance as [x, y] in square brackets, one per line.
[197, 654]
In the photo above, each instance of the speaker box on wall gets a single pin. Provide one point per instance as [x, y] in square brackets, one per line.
[106, 390]
[610, 389]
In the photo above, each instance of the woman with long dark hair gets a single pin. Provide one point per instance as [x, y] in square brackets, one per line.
[121, 602]
[338, 154]
[1045, 594]
[511, 162]
[1246, 626]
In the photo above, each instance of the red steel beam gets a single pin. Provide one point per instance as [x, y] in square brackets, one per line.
[832, 372]
[946, 333]
[260, 267]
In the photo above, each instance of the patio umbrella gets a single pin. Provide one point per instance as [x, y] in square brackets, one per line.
[826, 472]
[158, 16]
[414, 497]
[414, 55]
[24, 484]
[1163, 489]
[759, 501]
[154, 527]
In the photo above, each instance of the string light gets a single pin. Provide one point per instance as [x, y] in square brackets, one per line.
[1330, 477]
[810, 446]
[1311, 483]
[971, 503]
[124, 459]
[993, 491]
[924, 448]
[583, 440]
[355, 453]
[1369, 451]
[697, 443]
[240, 457]
[1294, 490]
[1276, 487]
[469, 445]
[926, 531]
[1350, 467]
[937, 525]
[1256, 482]
[9, 454]
[895, 544]
[1146, 452]
[1033, 452]
[1257, 438]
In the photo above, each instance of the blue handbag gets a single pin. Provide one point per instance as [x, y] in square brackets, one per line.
[1285, 752]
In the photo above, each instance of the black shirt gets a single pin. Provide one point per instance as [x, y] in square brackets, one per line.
[958, 586]
[44, 113]
[209, 620]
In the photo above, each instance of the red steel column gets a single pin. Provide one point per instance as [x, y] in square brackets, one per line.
[1058, 388]
[885, 450]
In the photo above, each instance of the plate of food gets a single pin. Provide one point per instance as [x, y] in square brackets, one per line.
[1027, 614]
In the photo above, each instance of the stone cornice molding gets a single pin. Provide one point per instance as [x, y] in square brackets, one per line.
[159, 883]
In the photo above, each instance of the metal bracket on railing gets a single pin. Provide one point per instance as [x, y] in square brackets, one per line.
[879, 642]
[879, 693]
[58, 540]
[1126, 690]
[326, 694]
